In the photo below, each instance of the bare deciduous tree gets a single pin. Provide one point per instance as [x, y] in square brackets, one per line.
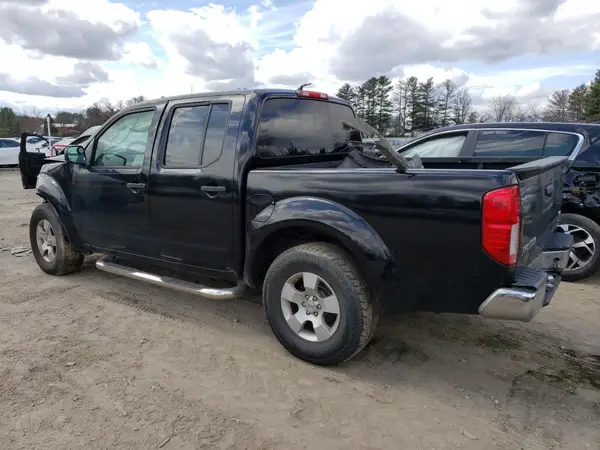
[461, 105]
[504, 108]
[534, 113]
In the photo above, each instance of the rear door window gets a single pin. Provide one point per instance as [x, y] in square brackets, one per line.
[196, 135]
[186, 136]
[523, 143]
[301, 127]
[560, 144]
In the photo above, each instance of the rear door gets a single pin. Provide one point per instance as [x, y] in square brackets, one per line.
[191, 184]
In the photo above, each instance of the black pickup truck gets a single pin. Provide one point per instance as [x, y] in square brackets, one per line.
[219, 194]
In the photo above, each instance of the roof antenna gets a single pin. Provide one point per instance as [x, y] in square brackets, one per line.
[302, 86]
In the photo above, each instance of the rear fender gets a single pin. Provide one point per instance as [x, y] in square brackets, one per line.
[323, 217]
[50, 190]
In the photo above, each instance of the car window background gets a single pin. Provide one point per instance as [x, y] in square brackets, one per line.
[7, 143]
[559, 144]
[437, 147]
[509, 143]
[296, 127]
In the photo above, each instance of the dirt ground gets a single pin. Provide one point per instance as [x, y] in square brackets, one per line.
[96, 361]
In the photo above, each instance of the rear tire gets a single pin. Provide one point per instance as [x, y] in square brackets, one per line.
[51, 250]
[318, 305]
[585, 257]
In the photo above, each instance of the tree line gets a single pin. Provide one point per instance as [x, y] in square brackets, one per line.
[413, 106]
[12, 124]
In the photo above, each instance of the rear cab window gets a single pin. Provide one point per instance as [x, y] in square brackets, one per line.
[293, 126]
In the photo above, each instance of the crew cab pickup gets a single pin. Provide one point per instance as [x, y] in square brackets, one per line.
[221, 194]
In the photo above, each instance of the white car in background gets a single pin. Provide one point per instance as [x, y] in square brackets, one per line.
[9, 152]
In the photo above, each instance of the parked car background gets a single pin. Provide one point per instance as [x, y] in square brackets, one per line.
[60, 145]
[9, 152]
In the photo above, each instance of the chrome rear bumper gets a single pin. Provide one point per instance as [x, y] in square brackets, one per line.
[533, 288]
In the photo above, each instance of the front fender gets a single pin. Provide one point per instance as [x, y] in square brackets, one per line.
[48, 188]
[322, 217]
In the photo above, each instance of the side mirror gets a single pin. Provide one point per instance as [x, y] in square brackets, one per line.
[75, 154]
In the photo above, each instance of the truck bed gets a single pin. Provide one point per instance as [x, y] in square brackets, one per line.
[429, 220]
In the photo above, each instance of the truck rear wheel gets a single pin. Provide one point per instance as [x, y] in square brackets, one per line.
[584, 260]
[318, 305]
[52, 252]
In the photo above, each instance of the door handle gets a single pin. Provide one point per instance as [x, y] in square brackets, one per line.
[136, 187]
[213, 189]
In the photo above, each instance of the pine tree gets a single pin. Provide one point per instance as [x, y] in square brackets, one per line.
[346, 92]
[576, 103]
[447, 93]
[384, 104]
[369, 88]
[591, 104]
[412, 92]
[558, 106]
[400, 107]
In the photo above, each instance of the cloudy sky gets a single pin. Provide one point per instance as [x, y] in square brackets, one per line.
[66, 54]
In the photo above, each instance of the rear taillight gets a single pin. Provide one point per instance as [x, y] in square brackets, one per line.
[52, 151]
[501, 224]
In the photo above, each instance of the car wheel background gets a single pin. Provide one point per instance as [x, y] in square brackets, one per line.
[584, 260]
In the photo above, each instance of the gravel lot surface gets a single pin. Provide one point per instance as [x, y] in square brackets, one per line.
[95, 361]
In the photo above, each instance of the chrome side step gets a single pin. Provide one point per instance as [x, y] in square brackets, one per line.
[173, 283]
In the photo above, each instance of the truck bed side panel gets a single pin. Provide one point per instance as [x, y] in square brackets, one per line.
[429, 219]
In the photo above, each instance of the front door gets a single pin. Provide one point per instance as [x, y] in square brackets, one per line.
[109, 195]
[191, 186]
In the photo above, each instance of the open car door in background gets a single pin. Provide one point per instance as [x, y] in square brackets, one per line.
[30, 163]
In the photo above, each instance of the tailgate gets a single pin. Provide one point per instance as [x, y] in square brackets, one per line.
[540, 185]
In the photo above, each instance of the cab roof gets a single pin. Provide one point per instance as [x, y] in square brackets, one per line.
[246, 92]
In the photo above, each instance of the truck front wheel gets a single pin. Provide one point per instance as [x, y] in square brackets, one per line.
[52, 252]
[318, 305]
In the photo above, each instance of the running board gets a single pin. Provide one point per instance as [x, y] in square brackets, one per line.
[173, 283]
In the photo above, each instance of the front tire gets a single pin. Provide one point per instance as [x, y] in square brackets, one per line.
[318, 305]
[584, 260]
[52, 252]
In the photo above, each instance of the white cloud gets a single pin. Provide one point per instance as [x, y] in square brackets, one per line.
[139, 53]
[214, 46]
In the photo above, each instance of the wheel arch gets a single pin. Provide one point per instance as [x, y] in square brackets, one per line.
[54, 196]
[303, 219]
